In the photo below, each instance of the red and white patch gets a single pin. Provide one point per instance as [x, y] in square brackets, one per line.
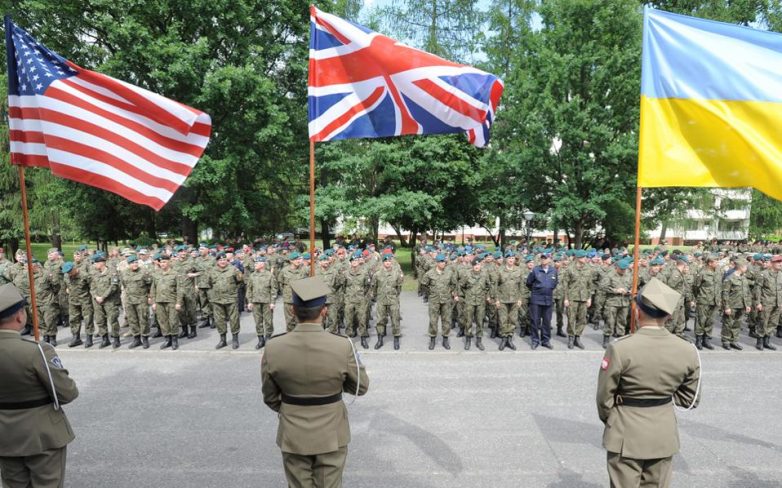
[605, 363]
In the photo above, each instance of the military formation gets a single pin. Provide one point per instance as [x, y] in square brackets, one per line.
[472, 291]
[173, 291]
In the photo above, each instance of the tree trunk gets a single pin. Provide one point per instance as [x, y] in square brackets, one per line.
[149, 224]
[578, 233]
[324, 234]
[13, 246]
[189, 230]
[56, 240]
[398, 231]
[663, 230]
[556, 236]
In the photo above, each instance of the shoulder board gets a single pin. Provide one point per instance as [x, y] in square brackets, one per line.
[338, 335]
[277, 335]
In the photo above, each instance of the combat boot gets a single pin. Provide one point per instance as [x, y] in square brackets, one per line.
[167, 342]
[193, 334]
[174, 343]
[379, 342]
[606, 339]
[726, 345]
[105, 341]
[479, 343]
[446, 345]
[88, 340]
[707, 344]
[145, 342]
[396, 343]
[779, 332]
[467, 343]
[736, 346]
[503, 343]
[460, 333]
[494, 332]
[183, 334]
[222, 342]
[577, 342]
[364, 342]
[570, 342]
[46, 339]
[158, 333]
[431, 343]
[759, 344]
[75, 340]
[699, 342]
[261, 342]
[768, 345]
[509, 343]
[116, 342]
[234, 341]
[752, 333]
[136, 342]
[559, 332]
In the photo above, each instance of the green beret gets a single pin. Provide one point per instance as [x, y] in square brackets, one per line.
[67, 267]
[580, 253]
[132, 258]
[293, 255]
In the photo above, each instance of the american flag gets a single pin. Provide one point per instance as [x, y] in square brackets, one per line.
[364, 84]
[90, 128]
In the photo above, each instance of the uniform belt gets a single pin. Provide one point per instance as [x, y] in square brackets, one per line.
[642, 402]
[311, 401]
[24, 405]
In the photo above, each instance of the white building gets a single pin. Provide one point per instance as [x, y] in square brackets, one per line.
[724, 217]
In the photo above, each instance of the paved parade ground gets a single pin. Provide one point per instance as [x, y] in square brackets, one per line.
[195, 418]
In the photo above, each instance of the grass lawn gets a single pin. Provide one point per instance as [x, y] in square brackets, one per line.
[40, 248]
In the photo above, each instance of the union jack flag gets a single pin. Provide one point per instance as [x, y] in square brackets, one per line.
[364, 84]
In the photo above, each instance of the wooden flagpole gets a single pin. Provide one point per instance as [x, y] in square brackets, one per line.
[636, 254]
[312, 207]
[28, 246]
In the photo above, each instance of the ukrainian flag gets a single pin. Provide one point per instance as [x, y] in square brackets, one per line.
[711, 105]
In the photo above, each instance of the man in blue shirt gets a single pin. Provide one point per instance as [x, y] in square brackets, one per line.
[541, 281]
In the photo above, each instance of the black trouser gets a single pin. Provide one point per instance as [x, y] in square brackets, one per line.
[541, 322]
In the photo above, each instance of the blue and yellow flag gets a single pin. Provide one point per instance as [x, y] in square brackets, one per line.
[711, 105]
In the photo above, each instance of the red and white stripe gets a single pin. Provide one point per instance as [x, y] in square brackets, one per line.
[106, 133]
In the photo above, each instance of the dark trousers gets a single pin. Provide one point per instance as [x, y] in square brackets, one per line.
[541, 322]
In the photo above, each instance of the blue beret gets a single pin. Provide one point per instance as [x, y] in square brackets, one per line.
[580, 253]
[293, 255]
[623, 264]
[132, 258]
[658, 261]
[220, 255]
[305, 256]
[440, 258]
[67, 267]
[497, 255]
[99, 258]
[323, 257]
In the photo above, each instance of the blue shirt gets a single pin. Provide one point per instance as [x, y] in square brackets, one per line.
[542, 284]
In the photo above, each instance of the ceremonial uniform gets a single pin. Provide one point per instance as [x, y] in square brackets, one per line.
[304, 373]
[641, 377]
[34, 430]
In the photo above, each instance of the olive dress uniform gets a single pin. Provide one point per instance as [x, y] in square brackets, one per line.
[304, 373]
[640, 378]
[34, 433]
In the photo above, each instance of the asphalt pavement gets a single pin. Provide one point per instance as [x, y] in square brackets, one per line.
[195, 417]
